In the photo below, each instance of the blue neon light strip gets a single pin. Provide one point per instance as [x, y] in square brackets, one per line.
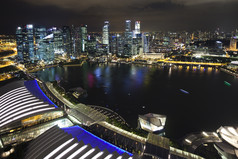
[34, 88]
[89, 138]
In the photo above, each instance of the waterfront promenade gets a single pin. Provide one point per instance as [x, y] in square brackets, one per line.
[229, 72]
[152, 145]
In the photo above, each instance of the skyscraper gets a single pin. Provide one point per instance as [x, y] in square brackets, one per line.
[57, 40]
[48, 43]
[137, 44]
[25, 44]
[137, 27]
[137, 39]
[128, 26]
[105, 34]
[113, 44]
[145, 42]
[91, 44]
[120, 45]
[83, 38]
[76, 41]
[127, 50]
[40, 34]
[67, 45]
[19, 40]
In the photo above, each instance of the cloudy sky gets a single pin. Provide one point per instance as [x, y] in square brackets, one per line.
[155, 15]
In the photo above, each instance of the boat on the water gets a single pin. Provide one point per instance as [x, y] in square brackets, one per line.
[182, 90]
[227, 83]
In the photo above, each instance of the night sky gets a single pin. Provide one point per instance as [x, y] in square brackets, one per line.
[155, 15]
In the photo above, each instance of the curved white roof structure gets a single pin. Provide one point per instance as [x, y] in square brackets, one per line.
[229, 145]
[22, 99]
[229, 134]
[60, 143]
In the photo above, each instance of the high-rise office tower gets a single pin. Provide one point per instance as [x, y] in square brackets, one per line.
[127, 50]
[75, 40]
[48, 43]
[40, 34]
[120, 45]
[137, 39]
[91, 44]
[136, 44]
[137, 27]
[25, 44]
[19, 40]
[66, 35]
[113, 44]
[105, 34]
[128, 26]
[83, 38]
[79, 40]
[145, 42]
[57, 40]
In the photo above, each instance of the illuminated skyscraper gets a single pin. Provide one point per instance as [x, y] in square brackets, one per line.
[57, 41]
[137, 27]
[137, 44]
[25, 44]
[78, 40]
[83, 38]
[40, 33]
[120, 45]
[127, 50]
[48, 43]
[128, 26]
[75, 35]
[145, 42]
[113, 44]
[137, 39]
[91, 44]
[105, 34]
[67, 47]
[19, 40]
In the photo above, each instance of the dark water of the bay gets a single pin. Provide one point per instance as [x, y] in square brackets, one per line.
[135, 89]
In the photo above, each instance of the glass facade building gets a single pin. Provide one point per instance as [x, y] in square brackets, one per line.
[83, 38]
[57, 41]
[67, 45]
[127, 51]
[91, 44]
[105, 36]
[25, 44]
[40, 34]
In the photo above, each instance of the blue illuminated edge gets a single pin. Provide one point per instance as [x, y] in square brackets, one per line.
[100, 139]
[44, 94]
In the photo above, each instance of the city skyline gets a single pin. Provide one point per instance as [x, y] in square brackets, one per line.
[132, 80]
[155, 15]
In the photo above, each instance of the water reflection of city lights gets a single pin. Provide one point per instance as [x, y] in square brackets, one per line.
[90, 80]
[170, 71]
[133, 71]
[97, 72]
